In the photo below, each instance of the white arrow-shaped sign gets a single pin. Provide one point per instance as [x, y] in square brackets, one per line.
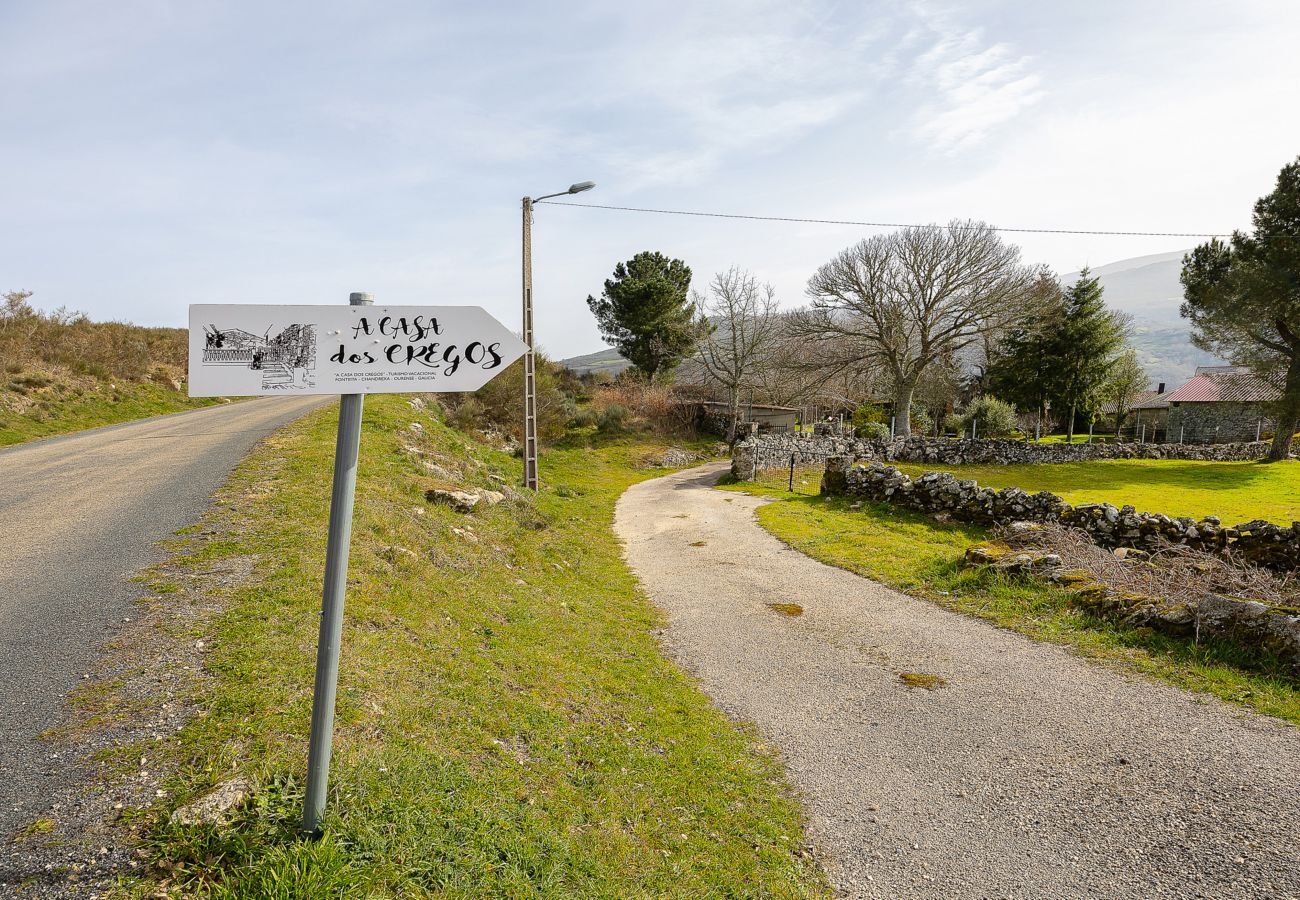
[247, 350]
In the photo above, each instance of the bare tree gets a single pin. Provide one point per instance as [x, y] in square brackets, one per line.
[1124, 384]
[913, 296]
[743, 327]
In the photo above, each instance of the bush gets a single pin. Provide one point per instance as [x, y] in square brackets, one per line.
[584, 418]
[612, 418]
[664, 409]
[868, 414]
[953, 422]
[921, 421]
[873, 431]
[993, 418]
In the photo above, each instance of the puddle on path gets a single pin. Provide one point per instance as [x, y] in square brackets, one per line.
[787, 609]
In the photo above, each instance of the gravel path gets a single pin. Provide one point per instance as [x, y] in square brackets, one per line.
[1032, 773]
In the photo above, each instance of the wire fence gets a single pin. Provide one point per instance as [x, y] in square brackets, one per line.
[800, 471]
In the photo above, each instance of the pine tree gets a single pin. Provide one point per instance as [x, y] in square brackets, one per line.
[1085, 348]
[1024, 367]
[1243, 299]
[645, 313]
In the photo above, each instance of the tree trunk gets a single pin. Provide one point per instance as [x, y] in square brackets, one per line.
[1069, 429]
[735, 414]
[903, 407]
[1288, 414]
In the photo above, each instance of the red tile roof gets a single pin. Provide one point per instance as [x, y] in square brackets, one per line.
[1224, 384]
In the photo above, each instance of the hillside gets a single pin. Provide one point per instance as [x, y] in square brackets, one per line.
[600, 361]
[61, 372]
[1147, 288]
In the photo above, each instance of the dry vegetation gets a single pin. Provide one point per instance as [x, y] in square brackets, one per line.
[31, 339]
[61, 372]
[1173, 573]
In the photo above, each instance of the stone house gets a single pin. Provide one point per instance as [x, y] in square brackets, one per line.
[1220, 404]
[1148, 408]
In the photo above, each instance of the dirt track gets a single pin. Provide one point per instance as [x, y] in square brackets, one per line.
[1032, 773]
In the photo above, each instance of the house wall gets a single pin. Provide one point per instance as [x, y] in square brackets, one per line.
[1216, 422]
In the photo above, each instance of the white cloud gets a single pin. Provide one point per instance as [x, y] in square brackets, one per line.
[973, 89]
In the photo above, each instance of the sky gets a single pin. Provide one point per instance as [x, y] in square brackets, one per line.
[158, 154]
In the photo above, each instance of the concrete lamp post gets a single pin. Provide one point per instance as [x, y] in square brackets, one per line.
[530, 362]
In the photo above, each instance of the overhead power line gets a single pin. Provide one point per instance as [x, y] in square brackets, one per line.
[718, 215]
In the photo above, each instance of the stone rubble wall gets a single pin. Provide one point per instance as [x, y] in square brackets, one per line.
[1259, 542]
[772, 451]
[1246, 624]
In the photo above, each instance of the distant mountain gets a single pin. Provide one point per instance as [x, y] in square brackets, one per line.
[1147, 288]
[600, 361]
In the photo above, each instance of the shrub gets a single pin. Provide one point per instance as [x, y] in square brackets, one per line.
[868, 414]
[584, 418]
[921, 421]
[873, 431]
[992, 417]
[953, 422]
[612, 418]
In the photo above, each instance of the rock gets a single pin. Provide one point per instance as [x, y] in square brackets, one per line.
[395, 554]
[461, 501]
[215, 807]
[491, 498]
[436, 470]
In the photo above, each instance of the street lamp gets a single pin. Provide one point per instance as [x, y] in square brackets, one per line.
[530, 363]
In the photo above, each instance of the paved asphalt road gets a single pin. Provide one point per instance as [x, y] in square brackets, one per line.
[79, 515]
[1032, 774]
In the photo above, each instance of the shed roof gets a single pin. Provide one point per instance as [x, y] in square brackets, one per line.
[1224, 384]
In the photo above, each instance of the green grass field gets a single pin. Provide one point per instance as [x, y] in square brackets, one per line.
[35, 405]
[1234, 491]
[916, 554]
[507, 724]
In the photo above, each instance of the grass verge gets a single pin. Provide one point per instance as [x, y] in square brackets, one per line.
[36, 405]
[914, 553]
[1236, 492]
[506, 723]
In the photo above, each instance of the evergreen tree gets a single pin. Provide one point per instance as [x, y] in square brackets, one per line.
[645, 313]
[1085, 347]
[1243, 299]
[1024, 366]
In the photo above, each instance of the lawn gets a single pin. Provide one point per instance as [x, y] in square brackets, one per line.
[1236, 492]
[916, 554]
[35, 405]
[507, 723]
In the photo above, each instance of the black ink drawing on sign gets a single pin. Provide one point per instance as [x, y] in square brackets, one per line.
[286, 361]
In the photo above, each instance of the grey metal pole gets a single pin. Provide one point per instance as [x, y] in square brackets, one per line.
[1090, 424]
[530, 361]
[346, 449]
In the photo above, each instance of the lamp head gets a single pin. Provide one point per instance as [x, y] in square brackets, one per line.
[581, 186]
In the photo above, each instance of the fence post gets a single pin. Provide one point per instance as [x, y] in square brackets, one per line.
[1090, 424]
[1181, 429]
[1259, 428]
[972, 430]
[791, 487]
[892, 420]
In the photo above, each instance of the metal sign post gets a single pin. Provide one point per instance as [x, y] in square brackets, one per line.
[285, 351]
[346, 449]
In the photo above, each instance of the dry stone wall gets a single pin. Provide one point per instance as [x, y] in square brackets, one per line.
[1259, 542]
[773, 451]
